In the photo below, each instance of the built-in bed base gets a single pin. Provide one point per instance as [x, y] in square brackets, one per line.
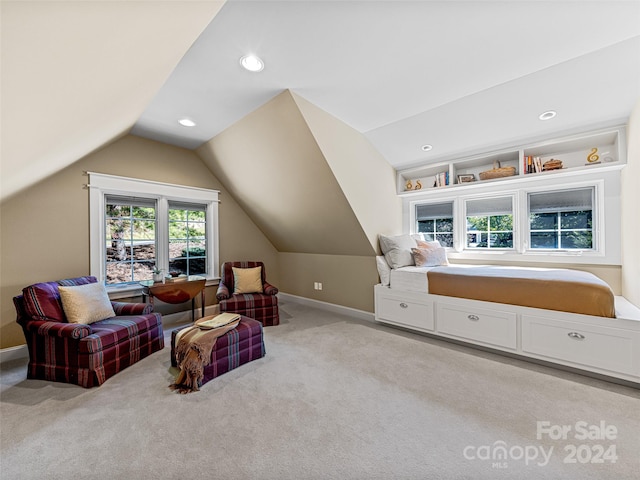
[600, 345]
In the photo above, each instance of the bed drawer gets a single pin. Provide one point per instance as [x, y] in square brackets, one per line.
[488, 327]
[413, 314]
[611, 349]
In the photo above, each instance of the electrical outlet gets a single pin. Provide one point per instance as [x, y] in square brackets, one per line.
[319, 286]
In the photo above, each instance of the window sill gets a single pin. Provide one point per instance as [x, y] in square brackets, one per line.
[564, 257]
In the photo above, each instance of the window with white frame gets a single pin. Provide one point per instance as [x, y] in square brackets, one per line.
[139, 226]
[489, 223]
[130, 231]
[561, 219]
[187, 239]
[435, 221]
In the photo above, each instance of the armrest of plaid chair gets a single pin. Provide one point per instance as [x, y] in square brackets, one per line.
[123, 308]
[269, 289]
[58, 329]
[223, 292]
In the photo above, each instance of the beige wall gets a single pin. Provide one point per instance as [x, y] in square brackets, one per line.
[347, 280]
[271, 164]
[630, 214]
[76, 75]
[366, 178]
[44, 229]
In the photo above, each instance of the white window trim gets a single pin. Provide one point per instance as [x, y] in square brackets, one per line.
[598, 219]
[101, 185]
[521, 250]
[462, 225]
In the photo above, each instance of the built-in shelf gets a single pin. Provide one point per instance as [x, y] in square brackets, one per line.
[573, 151]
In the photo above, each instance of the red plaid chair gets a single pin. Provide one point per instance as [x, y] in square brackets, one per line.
[259, 306]
[86, 355]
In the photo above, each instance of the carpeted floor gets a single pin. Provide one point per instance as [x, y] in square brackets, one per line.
[335, 398]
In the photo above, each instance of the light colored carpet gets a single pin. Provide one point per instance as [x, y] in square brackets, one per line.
[335, 398]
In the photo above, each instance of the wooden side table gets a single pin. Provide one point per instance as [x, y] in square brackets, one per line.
[176, 292]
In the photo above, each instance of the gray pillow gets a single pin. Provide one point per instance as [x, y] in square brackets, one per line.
[383, 270]
[397, 250]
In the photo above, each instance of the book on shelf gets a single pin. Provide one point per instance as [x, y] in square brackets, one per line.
[532, 164]
[442, 179]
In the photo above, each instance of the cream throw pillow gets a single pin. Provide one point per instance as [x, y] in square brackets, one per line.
[247, 280]
[86, 303]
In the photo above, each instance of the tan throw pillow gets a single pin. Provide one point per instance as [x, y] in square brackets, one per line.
[431, 257]
[86, 303]
[428, 245]
[247, 280]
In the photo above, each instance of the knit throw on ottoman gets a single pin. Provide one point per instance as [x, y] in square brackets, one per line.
[193, 351]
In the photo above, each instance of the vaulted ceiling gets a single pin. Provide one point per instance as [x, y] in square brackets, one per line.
[460, 76]
[457, 75]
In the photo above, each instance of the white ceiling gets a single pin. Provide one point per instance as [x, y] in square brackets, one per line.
[461, 76]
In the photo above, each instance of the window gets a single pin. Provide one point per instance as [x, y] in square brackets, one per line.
[489, 223]
[187, 239]
[137, 226]
[561, 219]
[436, 222]
[130, 248]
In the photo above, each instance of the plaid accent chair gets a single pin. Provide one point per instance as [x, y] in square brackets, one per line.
[259, 306]
[86, 355]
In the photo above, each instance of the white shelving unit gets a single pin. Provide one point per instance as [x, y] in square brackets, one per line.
[573, 150]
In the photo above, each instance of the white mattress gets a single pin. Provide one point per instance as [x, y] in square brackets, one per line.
[411, 279]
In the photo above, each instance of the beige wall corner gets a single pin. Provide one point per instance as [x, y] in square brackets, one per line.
[271, 164]
[346, 280]
[630, 217]
[76, 75]
[366, 178]
[45, 228]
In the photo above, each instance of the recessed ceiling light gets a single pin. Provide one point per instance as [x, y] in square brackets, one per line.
[252, 63]
[548, 115]
[427, 147]
[186, 122]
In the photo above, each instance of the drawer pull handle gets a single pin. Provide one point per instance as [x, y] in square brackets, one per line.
[475, 318]
[404, 305]
[576, 335]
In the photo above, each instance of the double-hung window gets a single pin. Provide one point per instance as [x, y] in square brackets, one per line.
[187, 239]
[561, 220]
[138, 227]
[435, 221]
[130, 231]
[489, 223]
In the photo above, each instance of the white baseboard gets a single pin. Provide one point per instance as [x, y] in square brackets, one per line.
[169, 322]
[331, 307]
[13, 353]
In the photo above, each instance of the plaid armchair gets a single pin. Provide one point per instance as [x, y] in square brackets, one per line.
[259, 306]
[86, 355]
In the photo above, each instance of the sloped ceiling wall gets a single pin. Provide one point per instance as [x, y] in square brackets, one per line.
[363, 174]
[271, 163]
[77, 75]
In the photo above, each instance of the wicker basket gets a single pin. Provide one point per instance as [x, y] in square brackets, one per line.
[497, 172]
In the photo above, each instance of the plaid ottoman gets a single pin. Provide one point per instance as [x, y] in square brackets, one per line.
[241, 345]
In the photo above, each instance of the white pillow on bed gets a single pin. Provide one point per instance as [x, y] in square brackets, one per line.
[430, 257]
[397, 250]
[384, 270]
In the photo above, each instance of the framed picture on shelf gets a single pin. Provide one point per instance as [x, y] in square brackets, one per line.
[466, 178]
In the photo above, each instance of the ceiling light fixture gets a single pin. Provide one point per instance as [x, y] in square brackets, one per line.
[427, 147]
[186, 122]
[548, 115]
[252, 63]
